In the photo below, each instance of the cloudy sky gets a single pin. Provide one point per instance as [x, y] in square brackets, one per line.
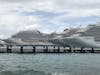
[46, 15]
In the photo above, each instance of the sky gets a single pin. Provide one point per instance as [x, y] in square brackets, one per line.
[46, 15]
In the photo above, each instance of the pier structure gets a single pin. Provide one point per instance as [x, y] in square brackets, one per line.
[46, 49]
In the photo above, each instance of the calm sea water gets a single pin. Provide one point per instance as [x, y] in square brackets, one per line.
[50, 64]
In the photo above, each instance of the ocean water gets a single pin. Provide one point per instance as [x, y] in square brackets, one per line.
[50, 64]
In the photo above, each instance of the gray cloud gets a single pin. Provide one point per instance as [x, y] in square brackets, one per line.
[15, 0]
[16, 15]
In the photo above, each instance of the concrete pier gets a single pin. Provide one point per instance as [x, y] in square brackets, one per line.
[46, 49]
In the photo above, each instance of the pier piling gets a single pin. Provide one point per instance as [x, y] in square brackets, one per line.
[21, 49]
[9, 49]
[82, 51]
[34, 49]
[64, 48]
[58, 49]
[54, 49]
[92, 51]
[46, 49]
[70, 49]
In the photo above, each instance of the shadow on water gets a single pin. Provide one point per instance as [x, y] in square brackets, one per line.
[24, 72]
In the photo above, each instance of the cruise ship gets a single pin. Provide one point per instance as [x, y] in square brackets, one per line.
[28, 37]
[84, 37]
